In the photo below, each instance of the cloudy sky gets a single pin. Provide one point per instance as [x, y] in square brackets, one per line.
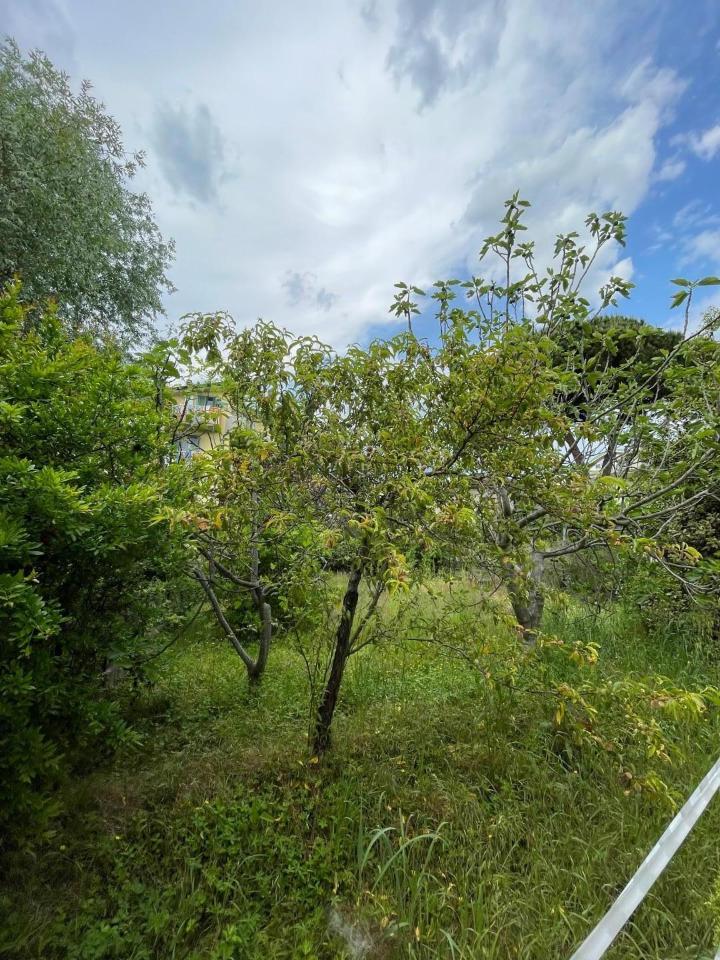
[306, 155]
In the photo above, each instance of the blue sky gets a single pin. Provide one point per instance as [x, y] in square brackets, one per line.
[675, 231]
[305, 156]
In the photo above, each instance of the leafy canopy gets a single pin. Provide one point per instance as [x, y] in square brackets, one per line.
[70, 225]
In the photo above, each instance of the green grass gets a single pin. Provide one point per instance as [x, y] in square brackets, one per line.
[450, 820]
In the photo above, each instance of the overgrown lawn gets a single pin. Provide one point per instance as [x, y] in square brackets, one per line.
[452, 818]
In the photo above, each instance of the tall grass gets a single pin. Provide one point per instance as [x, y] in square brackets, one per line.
[451, 820]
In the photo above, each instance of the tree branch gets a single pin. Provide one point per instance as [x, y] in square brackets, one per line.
[223, 621]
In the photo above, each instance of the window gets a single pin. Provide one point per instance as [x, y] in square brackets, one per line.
[202, 401]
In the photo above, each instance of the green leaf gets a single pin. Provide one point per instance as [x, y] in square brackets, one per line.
[679, 297]
[709, 282]
[680, 282]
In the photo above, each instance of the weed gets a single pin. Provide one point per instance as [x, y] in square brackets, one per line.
[456, 817]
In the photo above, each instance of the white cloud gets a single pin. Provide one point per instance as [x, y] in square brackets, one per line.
[706, 144]
[671, 169]
[703, 247]
[376, 144]
[40, 23]
[696, 237]
[694, 215]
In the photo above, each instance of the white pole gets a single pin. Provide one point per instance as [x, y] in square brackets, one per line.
[594, 947]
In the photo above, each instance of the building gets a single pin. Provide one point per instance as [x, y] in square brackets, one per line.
[204, 419]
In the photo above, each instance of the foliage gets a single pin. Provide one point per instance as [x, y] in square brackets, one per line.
[83, 575]
[71, 226]
[326, 466]
[608, 425]
[258, 547]
[535, 428]
[451, 821]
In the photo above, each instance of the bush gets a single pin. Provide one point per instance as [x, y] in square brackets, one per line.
[84, 574]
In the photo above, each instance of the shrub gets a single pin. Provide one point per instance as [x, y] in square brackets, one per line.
[84, 574]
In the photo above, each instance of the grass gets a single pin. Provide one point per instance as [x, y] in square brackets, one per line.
[450, 820]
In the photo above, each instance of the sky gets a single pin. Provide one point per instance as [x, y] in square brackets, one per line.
[306, 156]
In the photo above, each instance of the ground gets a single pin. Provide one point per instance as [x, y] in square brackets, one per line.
[451, 818]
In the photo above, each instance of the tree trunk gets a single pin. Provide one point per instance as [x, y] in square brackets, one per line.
[261, 604]
[265, 612]
[341, 652]
[527, 598]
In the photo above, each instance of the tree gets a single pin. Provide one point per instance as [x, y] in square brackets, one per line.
[70, 226]
[366, 454]
[256, 540]
[325, 470]
[599, 452]
[689, 513]
[86, 579]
